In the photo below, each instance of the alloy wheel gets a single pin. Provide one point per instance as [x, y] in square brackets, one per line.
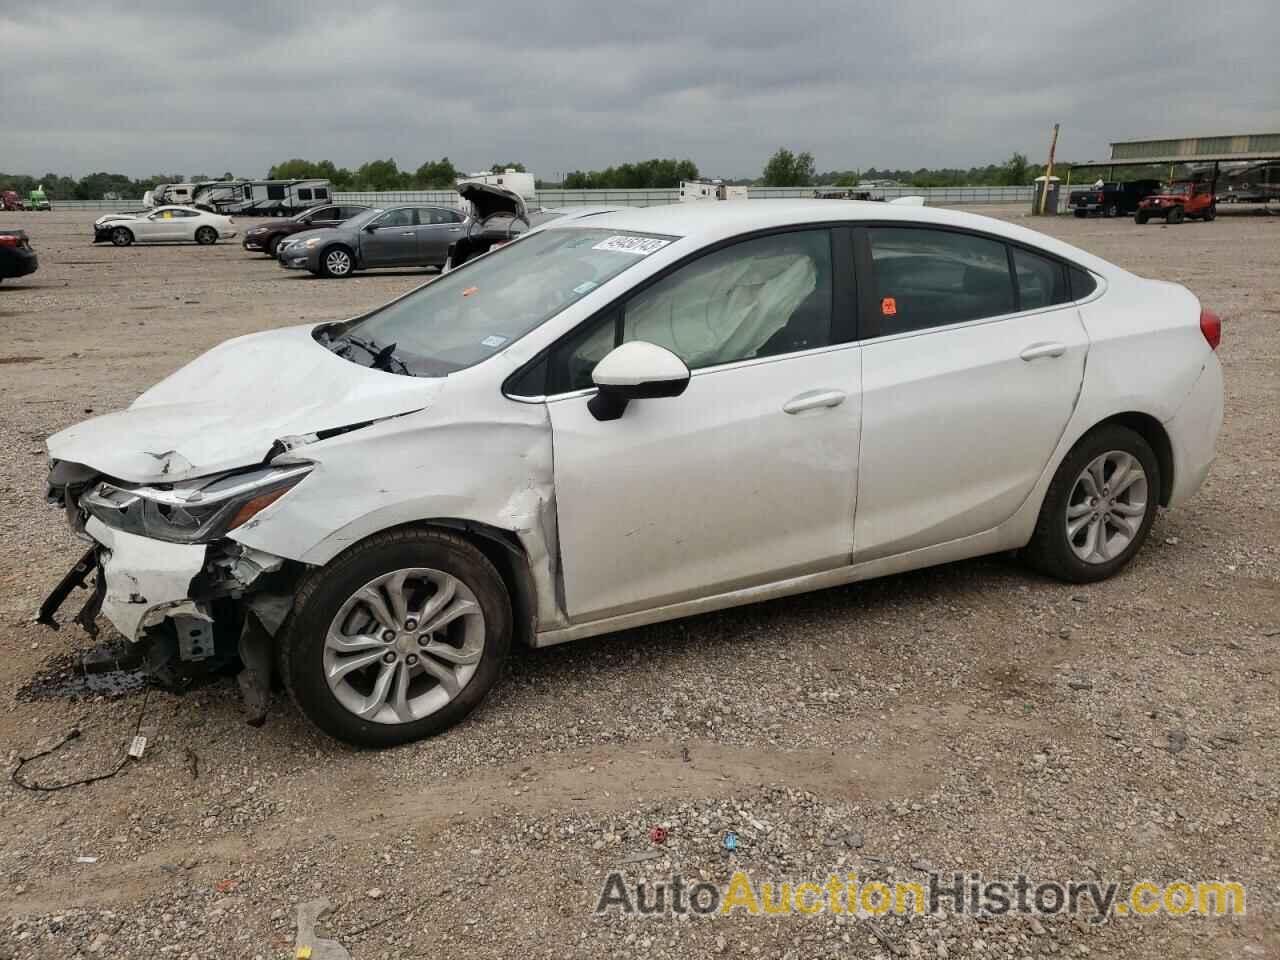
[404, 645]
[338, 262]
[1106, 507]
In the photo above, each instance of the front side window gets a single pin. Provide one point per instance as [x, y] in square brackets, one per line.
[931, 278]
[758, 298]
[470, 314]
[402, 217]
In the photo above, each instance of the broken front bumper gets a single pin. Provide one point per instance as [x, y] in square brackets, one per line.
[145, 580]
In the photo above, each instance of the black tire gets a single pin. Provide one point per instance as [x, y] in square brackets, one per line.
[332, 262]
[1050, 551]
[323, 593]
[1175, 215]
[273, 245]
[1211, 213]
[1112, 211]
[206, 236]
[1139, 218]
[121, 236]
[1082, 214]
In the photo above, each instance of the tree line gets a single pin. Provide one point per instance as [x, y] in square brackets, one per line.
[785, 168]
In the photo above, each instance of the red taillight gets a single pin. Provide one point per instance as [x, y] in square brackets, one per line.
[8, 240]
[1211, 327]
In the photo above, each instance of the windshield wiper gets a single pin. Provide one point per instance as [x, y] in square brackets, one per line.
[383, 358]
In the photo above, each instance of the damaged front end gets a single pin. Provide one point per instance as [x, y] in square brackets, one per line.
[162, 570]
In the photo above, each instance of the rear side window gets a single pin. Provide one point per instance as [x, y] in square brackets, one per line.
[931, 278]
[440, 215]
[1042, 282]
[304, 193]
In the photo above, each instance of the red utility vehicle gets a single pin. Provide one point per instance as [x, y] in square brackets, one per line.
[1180, 200]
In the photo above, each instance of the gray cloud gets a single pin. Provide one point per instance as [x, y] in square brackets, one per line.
[190, 86]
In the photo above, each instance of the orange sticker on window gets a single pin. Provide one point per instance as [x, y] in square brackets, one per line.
[469, 291]
[889, 307]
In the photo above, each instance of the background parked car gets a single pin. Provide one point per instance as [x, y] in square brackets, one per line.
[163, 224]
[1180, 200]
[17, 259]
[266, 237]
[9, 200]
[410, 235]
[1112, 199]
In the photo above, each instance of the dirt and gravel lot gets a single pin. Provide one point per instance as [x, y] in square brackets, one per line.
[974, 717]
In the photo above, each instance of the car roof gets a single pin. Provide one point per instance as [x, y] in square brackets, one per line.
[710, 221]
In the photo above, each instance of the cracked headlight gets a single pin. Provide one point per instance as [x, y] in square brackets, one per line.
[195, 511]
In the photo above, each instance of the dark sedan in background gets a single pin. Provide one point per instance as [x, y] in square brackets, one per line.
[406, 235]
[17, 259]
[266, 238]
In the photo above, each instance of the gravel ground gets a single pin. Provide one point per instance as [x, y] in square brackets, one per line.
[972, 717]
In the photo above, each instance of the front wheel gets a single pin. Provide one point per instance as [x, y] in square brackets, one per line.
[337, 261]
[122, 236]
[1113, 211]
[1139, 218]
[1099, 507]
[1211, 213]
[206, 236]
[273, 246]
[1175, 215]
[397, 639]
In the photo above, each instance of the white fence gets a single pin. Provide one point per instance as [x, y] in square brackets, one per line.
[935, 196]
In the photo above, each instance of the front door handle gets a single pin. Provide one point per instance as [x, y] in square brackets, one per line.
[455, 229]
[1038, 350]
[408, 233]
[814, 399]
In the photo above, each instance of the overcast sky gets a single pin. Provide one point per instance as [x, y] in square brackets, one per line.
[185, 86]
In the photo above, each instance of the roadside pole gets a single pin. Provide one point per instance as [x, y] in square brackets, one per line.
[1048, 171]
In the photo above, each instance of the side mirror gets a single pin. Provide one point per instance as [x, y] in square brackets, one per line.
[637, 370]
[370, 228]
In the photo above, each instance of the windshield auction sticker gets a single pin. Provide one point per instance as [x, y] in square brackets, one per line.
[640, 246]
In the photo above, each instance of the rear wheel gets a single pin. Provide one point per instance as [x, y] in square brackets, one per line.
[1099, 507]
[1175, 215]
[398, 639]
[206, 236]
[337, 261]
[122, 236]
[1112, 210]
[1139, 217]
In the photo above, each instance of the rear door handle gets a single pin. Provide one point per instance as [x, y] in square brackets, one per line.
[1038, 350]
[813, 399]
[408, 233]
[455, 229]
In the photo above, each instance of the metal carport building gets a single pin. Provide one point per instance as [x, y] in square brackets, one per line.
[1202, 152]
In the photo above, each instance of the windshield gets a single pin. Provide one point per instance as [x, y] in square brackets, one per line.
[1178, 188]
[470, 314]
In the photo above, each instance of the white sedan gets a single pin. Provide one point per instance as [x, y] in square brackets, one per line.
[628, 419]
[164, 224]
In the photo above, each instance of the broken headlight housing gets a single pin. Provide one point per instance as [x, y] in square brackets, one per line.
[195, 511]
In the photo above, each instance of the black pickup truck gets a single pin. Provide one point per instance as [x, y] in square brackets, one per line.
[1112, 199]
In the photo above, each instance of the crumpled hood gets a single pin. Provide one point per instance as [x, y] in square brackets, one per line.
[227, 407]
